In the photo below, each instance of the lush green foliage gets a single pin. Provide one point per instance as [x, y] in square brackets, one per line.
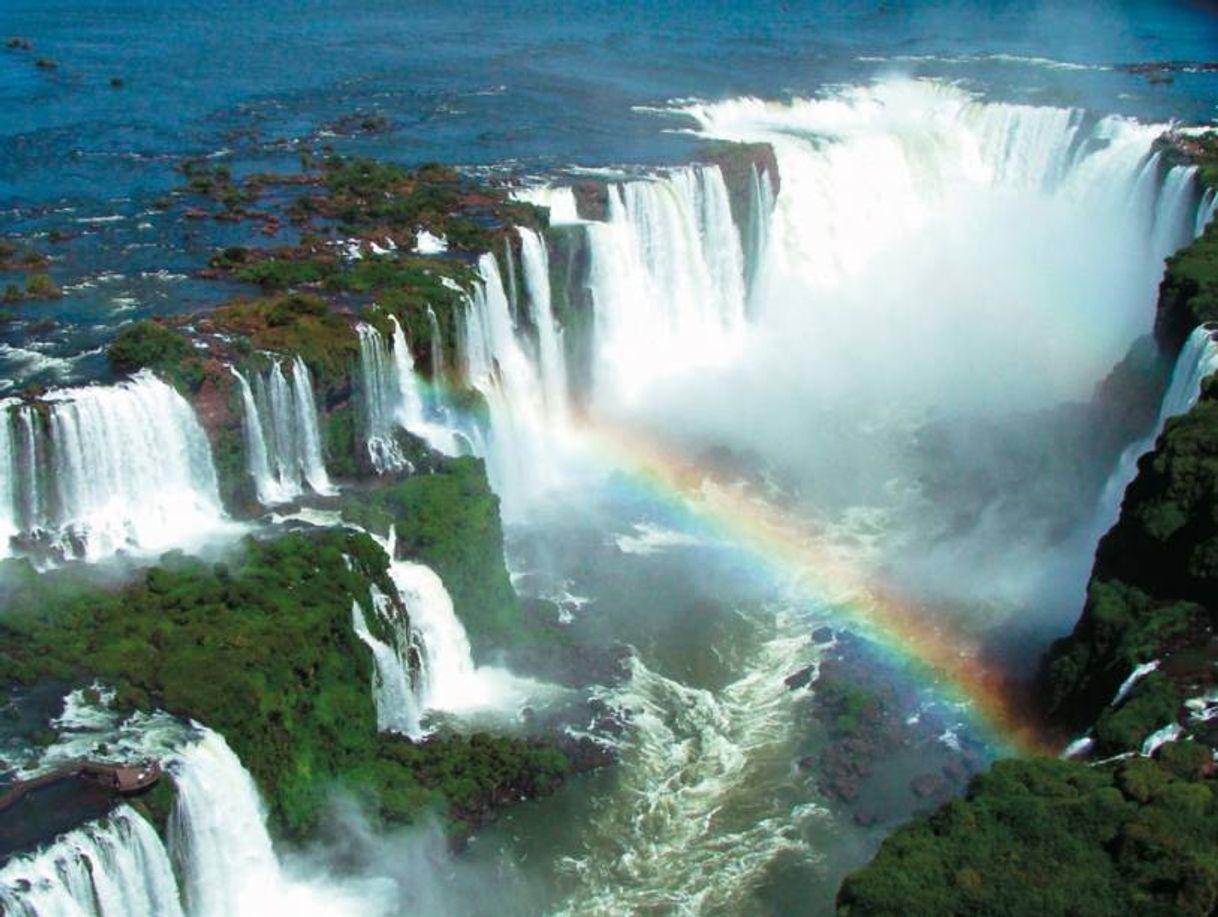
[1188, 295]
[1056, 837]
[262, 649]
[449, 520]
[295, 323]
[152, 345]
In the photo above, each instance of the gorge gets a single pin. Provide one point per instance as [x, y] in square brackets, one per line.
[652, 536]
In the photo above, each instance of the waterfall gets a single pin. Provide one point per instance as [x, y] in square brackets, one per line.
[380, 390]
[495, 362]
[97, 469]
[282, 440]
[394, 397]
[667, 279]
[410, 394]
[551, 361]
[267, 486]
[220, 843]
[914, 209]
[511, 286]
[437, 346]
[1197, 360]
[10, 509]
[446, 678]
[450, 682]
[1205, 211]
[1176, 211]
[115, 867]
[559, 201]
[761, 209]
[311, 462]
[396, 707]
[30, 470]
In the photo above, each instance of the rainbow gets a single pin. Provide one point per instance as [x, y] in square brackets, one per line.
[950, 662]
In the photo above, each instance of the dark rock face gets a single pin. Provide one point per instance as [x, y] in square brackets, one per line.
[738, 162]
[800, 679]
[592, 200]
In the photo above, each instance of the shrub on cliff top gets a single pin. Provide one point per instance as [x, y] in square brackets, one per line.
[1054, 837]
[148, 344]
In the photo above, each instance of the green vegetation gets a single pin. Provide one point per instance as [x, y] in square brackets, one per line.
[41, 286]
[1156, 574]
[149, 344]
[295, 323]
[1141, 836]
[14, 257]
[1057, 837]
[1188, 295]
[449, 520]
[262, 649]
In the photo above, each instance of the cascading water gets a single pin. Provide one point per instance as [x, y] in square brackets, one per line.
[761, 209]
[437, 345]
[282, 440]
[267, 486]
[552, 363]
[495, 362]
[667, 280]
[219, 861]
[219, 840]
[394, 398]
[103, 468]
[447, 681]
[1205, 211]
[397, 709]
[380, 401]
[116, 867]
[1197, 360]
[912, 210]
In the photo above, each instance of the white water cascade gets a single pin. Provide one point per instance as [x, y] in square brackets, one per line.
[761, 209]
[1205, 211]
[219, 839]
[99, 469]
[437, 345]
[495, 361]
[915, 211]
[115, 867]
[552, 361]
[282, 440]
[667, 279]
[448, 681]
[397, 709]
[394, 398]
[1197, 360]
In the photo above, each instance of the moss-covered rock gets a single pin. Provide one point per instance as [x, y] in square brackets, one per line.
[261, 648]
[449, 520]
[1188, 294]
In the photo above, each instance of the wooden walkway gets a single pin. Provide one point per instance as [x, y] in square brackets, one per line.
[119, 778]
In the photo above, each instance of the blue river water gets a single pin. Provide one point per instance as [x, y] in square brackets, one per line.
[522, 87]
[532, 84]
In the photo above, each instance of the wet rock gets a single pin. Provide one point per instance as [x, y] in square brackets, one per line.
[800, 679]
[591, 200]
[930, 786]
[822, 635]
